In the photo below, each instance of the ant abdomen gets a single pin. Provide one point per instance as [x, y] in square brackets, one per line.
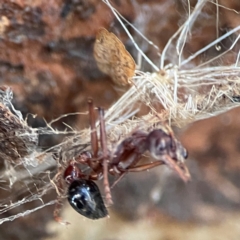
[85, 197]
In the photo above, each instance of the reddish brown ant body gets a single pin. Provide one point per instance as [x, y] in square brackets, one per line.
[84, 195]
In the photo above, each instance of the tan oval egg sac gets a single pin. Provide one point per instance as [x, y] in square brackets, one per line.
[112, 58]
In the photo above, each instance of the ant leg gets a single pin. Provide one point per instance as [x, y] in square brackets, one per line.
[180, 170]
[118, 179]
[103, 140]
[144, 167]
[57, 210]
[94, 139]
[58, 205]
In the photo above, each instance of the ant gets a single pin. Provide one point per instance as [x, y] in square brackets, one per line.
[84, 195]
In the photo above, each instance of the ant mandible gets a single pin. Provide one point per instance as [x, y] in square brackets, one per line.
[84, 195]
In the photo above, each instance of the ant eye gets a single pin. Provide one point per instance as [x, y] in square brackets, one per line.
[84, 196]
[185, 153]
[160, 147]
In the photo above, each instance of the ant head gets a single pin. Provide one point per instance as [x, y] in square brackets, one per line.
[160, 143]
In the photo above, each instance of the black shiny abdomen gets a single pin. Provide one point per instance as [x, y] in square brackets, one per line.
[84, 196]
